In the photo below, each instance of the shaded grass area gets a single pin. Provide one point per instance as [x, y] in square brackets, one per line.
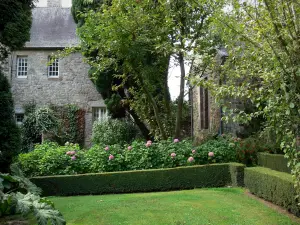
[191, 207]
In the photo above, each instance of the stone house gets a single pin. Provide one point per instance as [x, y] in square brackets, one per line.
[63, 82]
[206, 114]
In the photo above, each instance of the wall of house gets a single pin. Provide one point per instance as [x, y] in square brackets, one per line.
[199, 133]
[73, 85]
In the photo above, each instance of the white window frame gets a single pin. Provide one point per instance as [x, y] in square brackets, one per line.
[53, 65]
[99, 113]
[22, 63]
[16, 118]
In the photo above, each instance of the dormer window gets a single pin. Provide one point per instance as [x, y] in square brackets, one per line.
[53, 67]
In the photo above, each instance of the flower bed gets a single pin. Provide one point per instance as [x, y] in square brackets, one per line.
[51, 159]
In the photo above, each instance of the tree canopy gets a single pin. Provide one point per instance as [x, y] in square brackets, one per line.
[15, 23]
[262, 38]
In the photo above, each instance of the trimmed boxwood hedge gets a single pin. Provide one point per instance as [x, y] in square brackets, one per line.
[213, 175]
[274, 186]
[273, 161]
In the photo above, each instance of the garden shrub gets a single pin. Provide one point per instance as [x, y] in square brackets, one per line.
[9, 132]
[216, 175]
[274, 186]
[51, 159]
[273, 161]
[222, 149]
[114, 131]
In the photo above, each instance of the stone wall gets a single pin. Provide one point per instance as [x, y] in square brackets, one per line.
[73, 85]
[199, 133]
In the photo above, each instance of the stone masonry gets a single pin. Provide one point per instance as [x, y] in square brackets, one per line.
[53, 28]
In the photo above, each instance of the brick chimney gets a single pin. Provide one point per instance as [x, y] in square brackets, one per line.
[53, 3]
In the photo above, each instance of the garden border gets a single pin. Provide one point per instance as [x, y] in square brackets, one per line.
[210, 175]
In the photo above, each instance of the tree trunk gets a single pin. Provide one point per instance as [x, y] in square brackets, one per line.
[144, 130]
[155, 108]
[180, 97]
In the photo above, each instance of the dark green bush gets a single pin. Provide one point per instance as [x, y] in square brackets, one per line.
[216, 175]
[274, 186]
[273, 161]
[10, 141]
[114, 131]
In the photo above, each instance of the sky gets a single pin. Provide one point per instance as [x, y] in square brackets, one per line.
[174, 71]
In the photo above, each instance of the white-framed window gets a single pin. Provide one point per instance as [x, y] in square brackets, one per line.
[19, 118]
[22, 66]
[99, 113]
[53, 70]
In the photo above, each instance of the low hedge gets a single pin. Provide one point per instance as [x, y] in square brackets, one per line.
[213, 175]
[273, 161]
[274, 186]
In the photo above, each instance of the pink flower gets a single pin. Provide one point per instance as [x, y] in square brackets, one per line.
[106, 148]
[111, 157]
[191, 159]
[211, 154]
[73, 157]
[149, 143]
[176, 140]
[129, 148]
[194, 151]
[173, 155]
[71, 152]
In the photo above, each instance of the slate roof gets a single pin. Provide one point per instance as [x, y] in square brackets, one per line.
[52, 27]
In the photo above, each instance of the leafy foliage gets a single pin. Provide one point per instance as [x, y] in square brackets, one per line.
[262, 39]
[114, 131]
[9, 132]
[51, 159]
[15, 23]
[19, 196]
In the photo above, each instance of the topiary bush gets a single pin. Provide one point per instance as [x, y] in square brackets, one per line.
[114, 131]
[216, 175]
[274, 186]
[10, 143]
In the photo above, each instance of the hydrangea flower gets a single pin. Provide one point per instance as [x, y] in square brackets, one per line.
[176, 140]
[194, 151]
[149, 143]
[71, 152]
[129, 147]
[173, 155]
[67, 143]
[73, 157]
[191, 159]
[106, 148]
[111, 157]
[211, 154]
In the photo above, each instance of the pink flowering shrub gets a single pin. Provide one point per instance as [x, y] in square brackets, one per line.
[52, 159]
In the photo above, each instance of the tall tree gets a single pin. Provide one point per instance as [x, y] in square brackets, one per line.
[15, 23]
[9, 132]
[135, 39]
[263, 41]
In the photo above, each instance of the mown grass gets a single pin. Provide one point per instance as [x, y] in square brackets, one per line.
[190, 207]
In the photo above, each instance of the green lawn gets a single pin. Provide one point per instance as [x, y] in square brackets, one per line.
[199, 206]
